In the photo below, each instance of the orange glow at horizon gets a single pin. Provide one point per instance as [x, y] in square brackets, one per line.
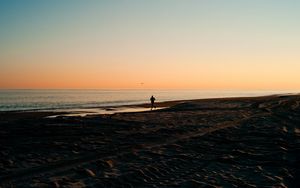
[163, 73]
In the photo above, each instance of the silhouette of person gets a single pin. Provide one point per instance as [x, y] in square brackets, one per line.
[152, 99]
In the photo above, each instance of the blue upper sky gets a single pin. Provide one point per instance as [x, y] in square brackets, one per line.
[140, 33]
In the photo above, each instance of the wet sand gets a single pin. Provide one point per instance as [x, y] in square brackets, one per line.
[234, 142]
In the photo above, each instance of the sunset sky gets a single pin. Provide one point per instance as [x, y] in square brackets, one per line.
[171, 44]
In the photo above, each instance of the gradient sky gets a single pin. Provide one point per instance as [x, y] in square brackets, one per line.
[200, 44]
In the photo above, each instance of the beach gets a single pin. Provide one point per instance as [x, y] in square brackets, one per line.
[226, 142]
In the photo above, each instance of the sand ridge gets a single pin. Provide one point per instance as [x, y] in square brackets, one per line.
[237, 142]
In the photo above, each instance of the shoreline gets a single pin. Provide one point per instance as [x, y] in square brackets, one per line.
[126, 108]
[98, 103]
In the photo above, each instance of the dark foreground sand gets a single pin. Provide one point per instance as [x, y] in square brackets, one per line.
[242, 142]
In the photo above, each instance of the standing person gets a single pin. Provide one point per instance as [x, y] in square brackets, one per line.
[152, 99]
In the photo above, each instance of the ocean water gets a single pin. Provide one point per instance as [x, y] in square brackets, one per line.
[15, 100]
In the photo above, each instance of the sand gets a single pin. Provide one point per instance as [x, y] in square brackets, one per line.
[236, 142]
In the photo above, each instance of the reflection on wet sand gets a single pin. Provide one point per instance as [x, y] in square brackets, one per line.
[99, 111]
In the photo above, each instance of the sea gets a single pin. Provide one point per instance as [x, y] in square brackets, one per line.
[23, 100]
